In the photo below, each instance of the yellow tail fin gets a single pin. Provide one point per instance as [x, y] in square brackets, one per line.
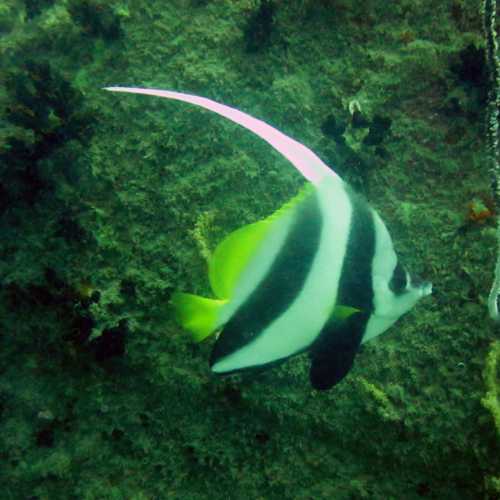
[199, 315]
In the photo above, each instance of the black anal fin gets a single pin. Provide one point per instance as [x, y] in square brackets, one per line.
[334, 351]
[328, 370]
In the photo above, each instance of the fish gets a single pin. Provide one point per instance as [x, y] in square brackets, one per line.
[320, 275]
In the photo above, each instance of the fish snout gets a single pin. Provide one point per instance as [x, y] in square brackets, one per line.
[425, 287]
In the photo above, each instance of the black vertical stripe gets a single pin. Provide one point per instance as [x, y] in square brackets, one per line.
[335, 347]
[279, 288]
[356, 287]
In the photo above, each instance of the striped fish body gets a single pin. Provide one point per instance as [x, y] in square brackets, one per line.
[319, 275]
[289, 289]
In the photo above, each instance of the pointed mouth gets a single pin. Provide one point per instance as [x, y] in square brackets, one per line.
[426, 288]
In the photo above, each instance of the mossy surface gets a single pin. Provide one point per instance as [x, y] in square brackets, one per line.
[108, 203]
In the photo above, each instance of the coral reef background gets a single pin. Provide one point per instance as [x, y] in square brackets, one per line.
[109, 203]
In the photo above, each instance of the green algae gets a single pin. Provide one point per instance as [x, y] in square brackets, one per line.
[491, 400]
[132, 214]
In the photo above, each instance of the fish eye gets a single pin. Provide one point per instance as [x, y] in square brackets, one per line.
[398, 281]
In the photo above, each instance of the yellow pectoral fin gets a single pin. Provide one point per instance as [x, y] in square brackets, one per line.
[199, 315]
[341, 313]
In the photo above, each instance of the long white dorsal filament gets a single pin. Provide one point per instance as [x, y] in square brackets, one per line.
[301, 157]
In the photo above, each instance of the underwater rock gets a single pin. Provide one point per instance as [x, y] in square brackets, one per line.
[471, 72]
[96, 18]
[379, 127]
[35, 7]
[111, 343]
[52, 112]
[334, 129]
[260, 27]
[45, 438]
[472, 68]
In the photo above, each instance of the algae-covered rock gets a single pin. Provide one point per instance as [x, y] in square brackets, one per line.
[491, 375]
[109, 204]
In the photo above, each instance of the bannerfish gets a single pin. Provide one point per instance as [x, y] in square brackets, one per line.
[318, 275]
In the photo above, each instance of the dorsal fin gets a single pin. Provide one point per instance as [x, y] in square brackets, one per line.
[300, 156]
[233, 254]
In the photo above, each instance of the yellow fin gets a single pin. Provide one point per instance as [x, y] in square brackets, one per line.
[232, 255]
[197, 314]
[343, 312]
[234, 252]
